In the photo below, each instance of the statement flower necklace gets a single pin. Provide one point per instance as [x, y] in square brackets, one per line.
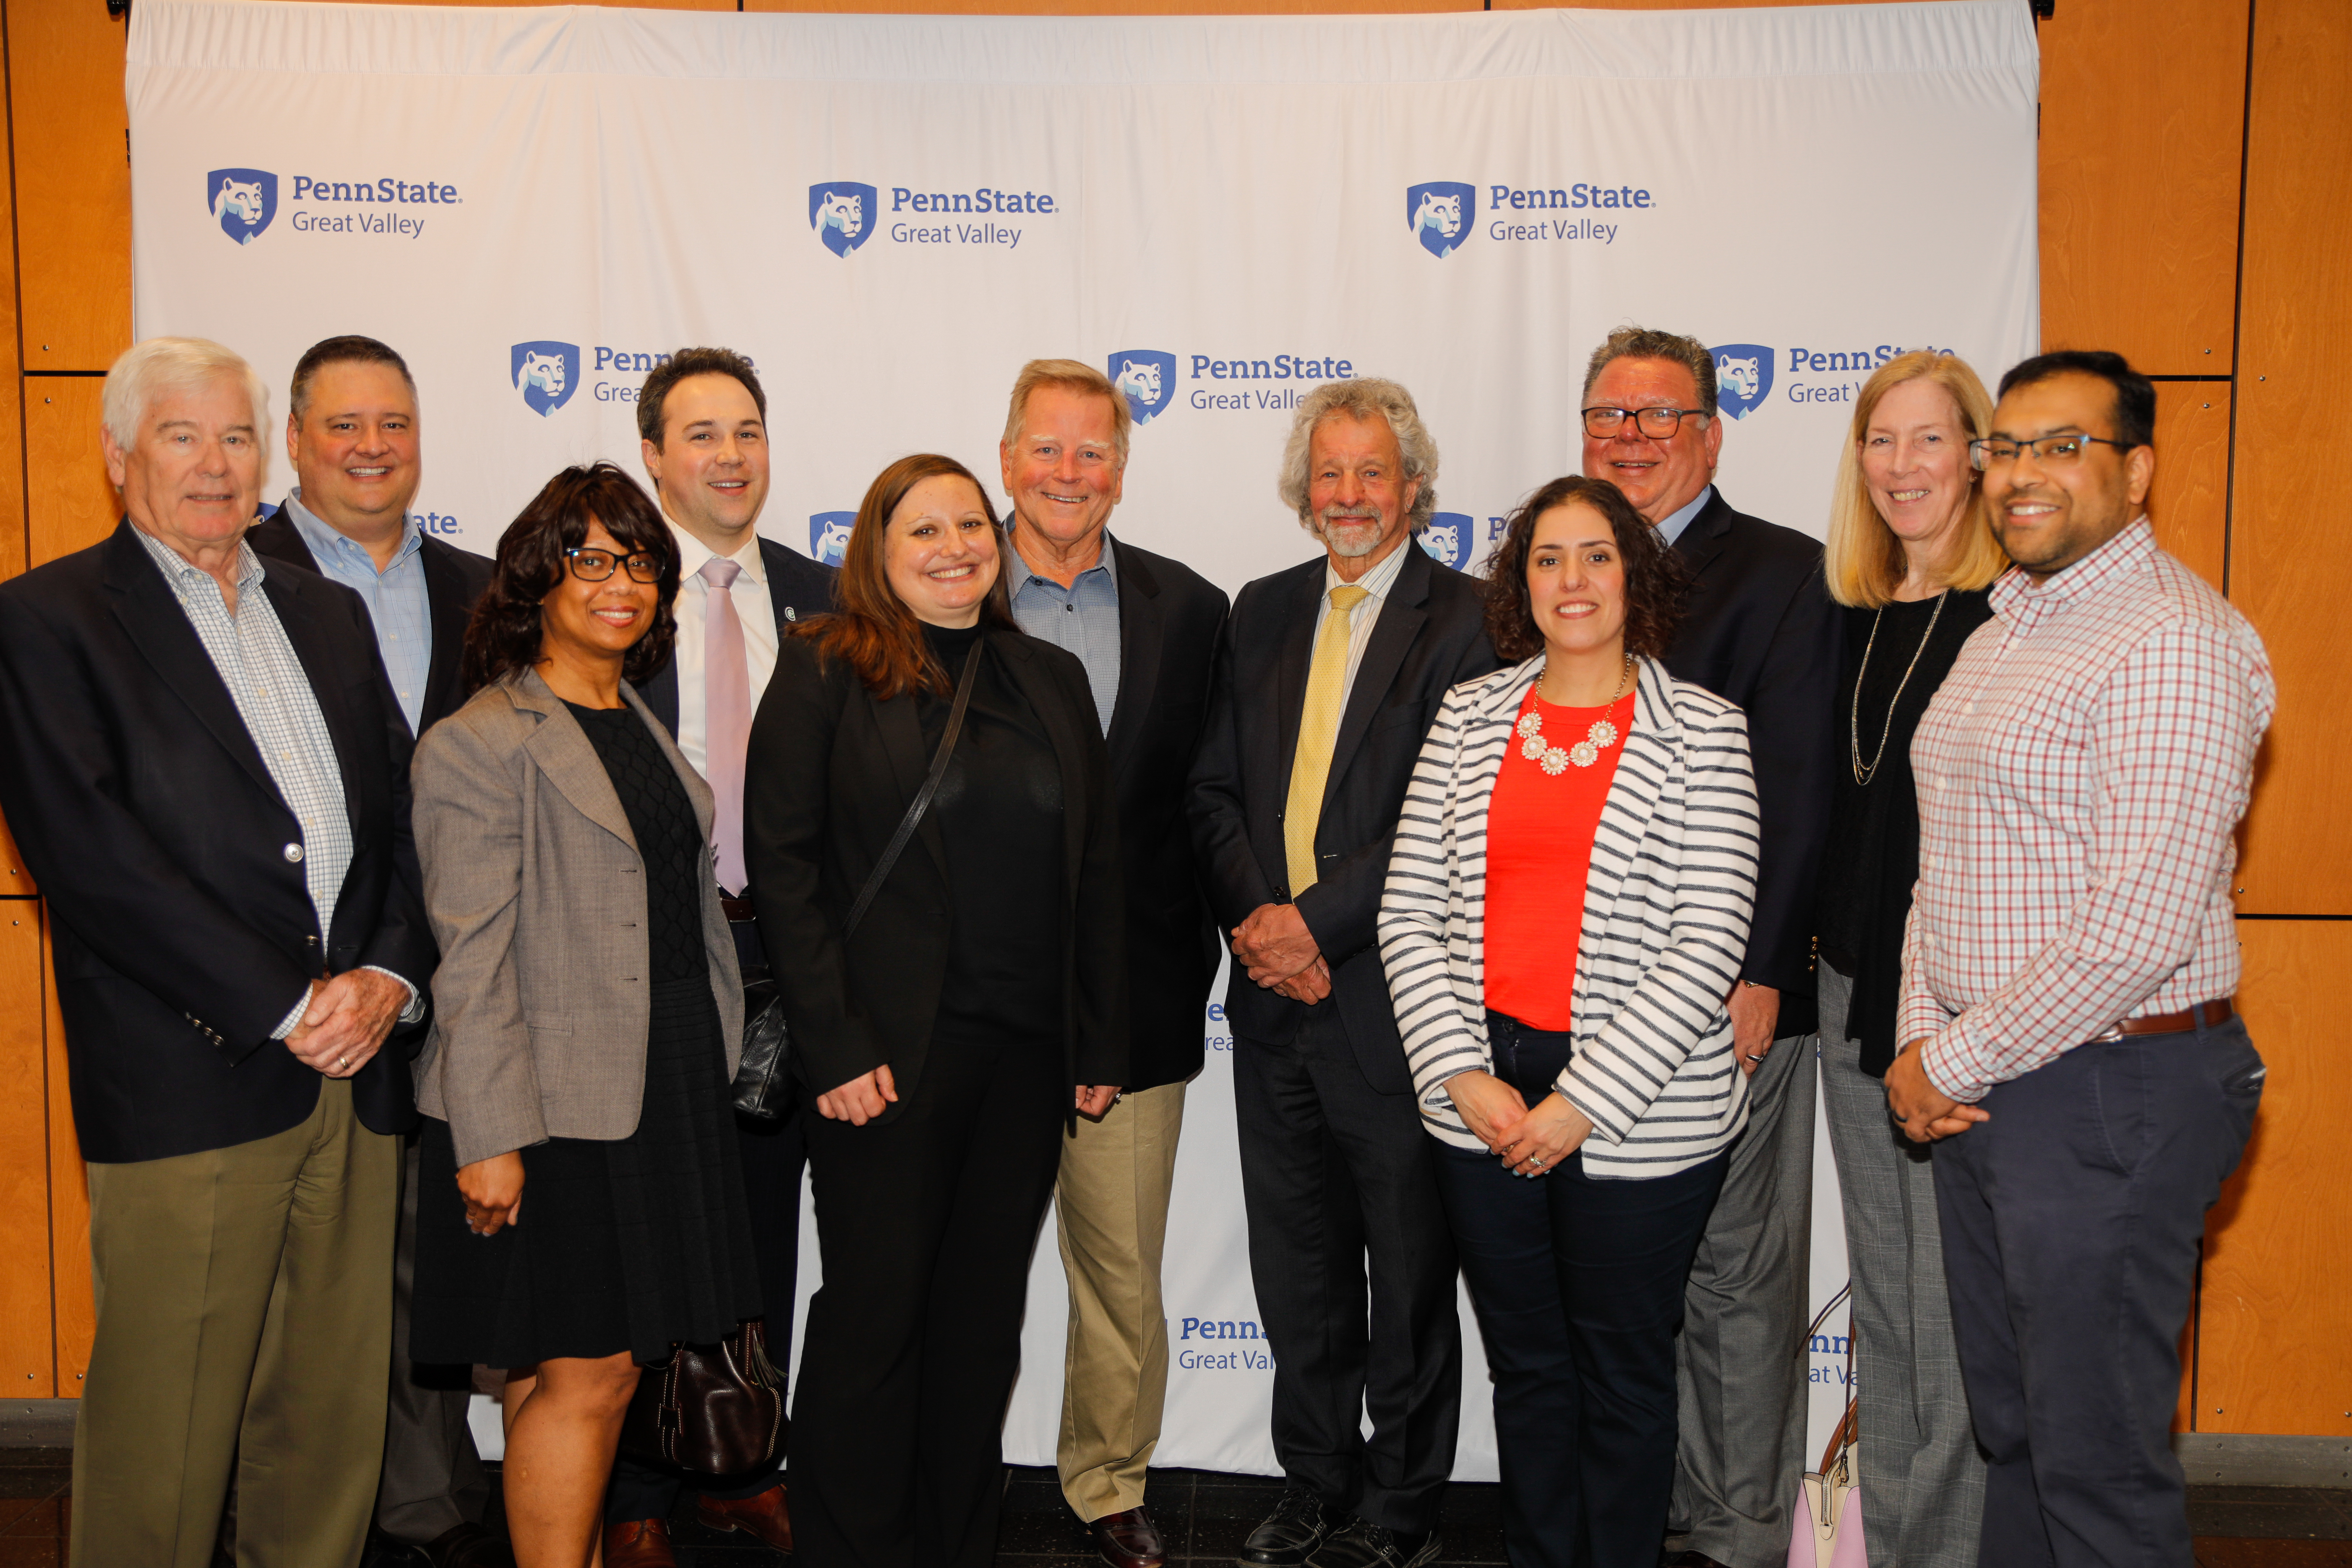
[1555, 760]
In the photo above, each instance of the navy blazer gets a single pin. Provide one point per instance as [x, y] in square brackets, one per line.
[183, 931]
[1760, 630]
[1430, 636]
[454, 579]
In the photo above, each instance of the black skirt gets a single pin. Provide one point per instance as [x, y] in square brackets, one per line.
[628, 1246]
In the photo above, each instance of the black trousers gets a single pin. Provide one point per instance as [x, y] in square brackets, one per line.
[1354, 1268]
[927, 1224]
[432, 1477]
[773, 1153]
[2070, 1224]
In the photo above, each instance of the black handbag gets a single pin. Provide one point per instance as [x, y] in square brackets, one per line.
[718, 1410]
[764, 1076]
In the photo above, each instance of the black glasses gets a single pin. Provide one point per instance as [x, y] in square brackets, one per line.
[1658, 424]
[2050, 451]
[596, 565]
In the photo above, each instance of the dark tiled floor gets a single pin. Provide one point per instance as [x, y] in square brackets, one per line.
[1205, 1515]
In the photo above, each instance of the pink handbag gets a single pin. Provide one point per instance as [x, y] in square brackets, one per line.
[1828, 1529]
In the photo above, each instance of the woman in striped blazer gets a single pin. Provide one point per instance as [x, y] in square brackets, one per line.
[1566, 909]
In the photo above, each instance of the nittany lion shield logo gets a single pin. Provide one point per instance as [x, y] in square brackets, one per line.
[829, 535]
[243, 200]
[1147, 379]
[1448, 538]
[1440, 215]
[1743, 377]
[842, 213]
[547, 374]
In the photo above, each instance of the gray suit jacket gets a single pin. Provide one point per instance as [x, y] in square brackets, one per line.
[537, 896]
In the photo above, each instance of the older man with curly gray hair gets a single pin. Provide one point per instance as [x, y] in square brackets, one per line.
[1328, 677]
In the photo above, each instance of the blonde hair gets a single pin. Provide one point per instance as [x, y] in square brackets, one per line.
[163, 366]
[1069, 375]
[1864, 561]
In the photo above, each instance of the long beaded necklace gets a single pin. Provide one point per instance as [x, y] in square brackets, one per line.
[1864, 772]
[1599, 738]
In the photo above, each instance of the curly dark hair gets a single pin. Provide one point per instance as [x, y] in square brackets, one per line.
[503, 636]
[1655, 578]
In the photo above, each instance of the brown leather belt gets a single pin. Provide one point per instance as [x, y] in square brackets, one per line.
[738, 911]
[2215, 1014]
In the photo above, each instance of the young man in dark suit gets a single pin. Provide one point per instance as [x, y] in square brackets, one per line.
[207, 773]
[1146, 629]
[1328, 677]
[352, 435]
[702, 423]
[1759, 630]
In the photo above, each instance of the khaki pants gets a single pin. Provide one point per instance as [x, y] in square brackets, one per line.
[1111, 1215]
[244, 1317]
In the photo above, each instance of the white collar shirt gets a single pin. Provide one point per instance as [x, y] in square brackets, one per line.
[753, 607]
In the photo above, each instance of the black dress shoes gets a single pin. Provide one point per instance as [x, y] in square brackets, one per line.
[1129, 1539]
[1689, 1560]
[469, 1546]
[1296, 1526]
[1360, 1543]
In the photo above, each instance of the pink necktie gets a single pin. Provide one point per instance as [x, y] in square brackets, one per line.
[725, 715]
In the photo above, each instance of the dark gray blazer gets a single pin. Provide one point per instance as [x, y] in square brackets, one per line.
[537, 895]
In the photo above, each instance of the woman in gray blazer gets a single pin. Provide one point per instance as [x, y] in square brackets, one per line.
[1566, 909]
[586, 1013]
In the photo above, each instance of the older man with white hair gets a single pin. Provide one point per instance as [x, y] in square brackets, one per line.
[207, 773]
[1328, 677]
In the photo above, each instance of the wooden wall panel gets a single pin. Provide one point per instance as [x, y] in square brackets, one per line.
[2288, 569]
[27, 1358]
[2190, 505]
[75, 1312]
[2142, 115]
[1111, 7]
[2275, 1333]
[70, 132]
[16, 877]
[68, 502]
[12, 558]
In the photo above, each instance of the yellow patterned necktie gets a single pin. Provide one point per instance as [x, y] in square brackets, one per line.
[1318, 729]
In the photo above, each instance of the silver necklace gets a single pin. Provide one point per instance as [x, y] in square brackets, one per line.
[1599, 738]
[1864, 772]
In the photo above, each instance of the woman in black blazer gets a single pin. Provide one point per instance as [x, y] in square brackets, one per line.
[948, 1039]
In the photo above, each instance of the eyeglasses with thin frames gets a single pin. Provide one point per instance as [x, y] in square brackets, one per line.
[1658, 424]
[2050, 452]
[596, 565]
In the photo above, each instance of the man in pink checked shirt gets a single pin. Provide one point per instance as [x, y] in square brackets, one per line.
[2069, 967]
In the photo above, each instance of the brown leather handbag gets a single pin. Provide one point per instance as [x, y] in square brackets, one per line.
[718, 1410]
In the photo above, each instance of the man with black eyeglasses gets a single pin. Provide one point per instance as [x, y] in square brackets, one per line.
[1759, 630]
[2069, 968]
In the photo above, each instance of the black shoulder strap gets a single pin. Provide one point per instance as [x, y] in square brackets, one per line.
[922, 800]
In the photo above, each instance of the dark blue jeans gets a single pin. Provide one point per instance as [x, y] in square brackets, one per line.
[2071, 1223]
[1579, 1288]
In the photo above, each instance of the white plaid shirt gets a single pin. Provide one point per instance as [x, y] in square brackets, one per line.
[273, 696]
[2081, 772]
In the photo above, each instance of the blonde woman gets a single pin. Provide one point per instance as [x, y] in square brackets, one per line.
[1911, 554]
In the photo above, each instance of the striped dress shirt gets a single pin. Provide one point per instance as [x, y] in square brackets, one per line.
[1667, 907]
[2081, 772]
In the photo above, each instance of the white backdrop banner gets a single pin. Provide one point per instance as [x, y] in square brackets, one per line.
[892, 213]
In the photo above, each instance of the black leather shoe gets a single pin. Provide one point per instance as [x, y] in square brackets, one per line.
[1360, 1543]
[469, 1546]
[1689, 1560]
[1295, 1527]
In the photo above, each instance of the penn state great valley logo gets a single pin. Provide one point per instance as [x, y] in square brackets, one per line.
[1743, 377]
[242, 200]
[1147, 379]
[829, 535]
[547, 374]
[842, 213]
[1448, 538]
[1440, 214]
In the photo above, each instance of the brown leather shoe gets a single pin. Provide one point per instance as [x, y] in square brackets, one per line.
[638, 1543]
[1129, 1539]
[765, 1517]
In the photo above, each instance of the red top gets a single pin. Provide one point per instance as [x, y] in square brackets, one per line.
[1540, 829]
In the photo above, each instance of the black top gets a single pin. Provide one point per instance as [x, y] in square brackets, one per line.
[1871, 857]
[669, 839]
[999, 810]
